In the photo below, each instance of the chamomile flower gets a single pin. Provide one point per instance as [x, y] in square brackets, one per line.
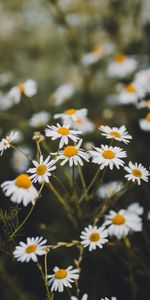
[20, 190]
[63, 93]
[28, 88]
[64, 133]
[121, 223]
[84, 297]
[6, 142]
[42, 170]
[30, 250]
[93, 237]
[72, 114]
[136, 173]
[5, 101]
[83, 124]
[122, 66]
[62, 278]
[19, 161]
[144, 103]
[145, 123]
[130, 94]
[73, 155]
[39, 119]
[93, 56]
[119, 134]
[142, 78]
[109, 189]
[136, 209]
[108, 156]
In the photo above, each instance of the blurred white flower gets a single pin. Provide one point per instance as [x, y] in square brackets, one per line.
[71, 114]
[30, 250]
[109, 189]
[145, 123]
[5, 143]
[136, 172]
[19, 161]
[39, 119]
[144, 103]
[122, 66]
[142, 78]
[84, 297]
[5, 101]
[28, 88]
[63, 93]
[130, 94]
[83, 124]
[136, 209]
[119, 134]
[20, 190]
[62, 278]
[112, 298]
[93, 237]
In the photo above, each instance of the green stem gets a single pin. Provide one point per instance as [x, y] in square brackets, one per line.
[28, 215]
[44, 277]
[90, 185]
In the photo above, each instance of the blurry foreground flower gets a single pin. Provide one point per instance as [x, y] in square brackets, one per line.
[130, 94]
[39, 119]
[135, 209]
[5, 143]
[136, 173]
[109, 189]
[122, 66]
[20, 190]
[73, 155]
[63, 93]
[121, 223]
[62, 277]
[64, 133]
[72, 114]
[19, 161]
[119, 134]
[83, 124]
[30, 250]
[142, 78]
[93, 56]
[42, 170]
[28, 88]
[5, 101]
[108, 156]
[93, 237]
[145, 123]
[84, 297]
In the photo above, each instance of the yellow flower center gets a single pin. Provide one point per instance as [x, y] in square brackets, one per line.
[60, 274]
[118, 220]
[78, 121]
[120, 57]
[148, 117]
[41, 169]
[108, 154]
[147, 101]
[63, 131]
[130, 88]
[31, 249]
[137, 173]
[70, 151]
[21, 88]
[23, 181]
[70, 111]
[94, 237]
[97, 50]
[115, 134]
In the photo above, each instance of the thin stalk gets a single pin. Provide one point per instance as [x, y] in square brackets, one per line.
[49, 296]
[90, 185]
[82, 179]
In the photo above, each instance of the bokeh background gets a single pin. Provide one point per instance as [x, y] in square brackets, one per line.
[45, 40]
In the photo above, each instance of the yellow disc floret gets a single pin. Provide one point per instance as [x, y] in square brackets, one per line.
[118, 219]
[108, 154]
[61, 274]
[115, 134]
[31, 249]
[41, 169]
[130, 88]
[94, 237]
[70, 111]
[63, 130]
[23, 181]
[148, 117]
[120, 57]
[70, 151]
[21, 88]
[136, 173]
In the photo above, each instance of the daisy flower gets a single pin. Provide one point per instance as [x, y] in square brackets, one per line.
[64, 133]
[136, 172]
[20, 190]
[39, 119]
[62, 277]
[122, 66]
[121, 223]
[19, 161]
[108, 156]
[28, 88]
[84, 297]
[5, 143]
[71, 114]
[119, 134]
[144, 103]
[93, 237]
[63, 93]
[109, 189]
[73, 155]
[96, 54]
[42, 170]
[5, 101]
[142, 78]
[30, 250]
[83, 124]
[136, 209]
[130, 94]
[145, 123]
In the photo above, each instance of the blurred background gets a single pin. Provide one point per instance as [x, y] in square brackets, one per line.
[48, 41]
